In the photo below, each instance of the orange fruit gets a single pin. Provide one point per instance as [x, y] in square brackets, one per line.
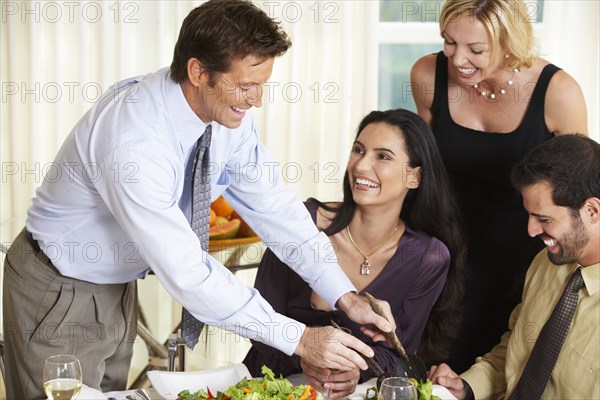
[213, 217]
[221, 207]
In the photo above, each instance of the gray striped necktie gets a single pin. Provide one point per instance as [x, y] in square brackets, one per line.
[190, 326]
[549, 343]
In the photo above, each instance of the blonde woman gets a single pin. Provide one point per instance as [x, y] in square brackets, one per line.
[489, 99]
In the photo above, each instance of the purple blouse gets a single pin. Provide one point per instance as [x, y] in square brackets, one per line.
[411, 282]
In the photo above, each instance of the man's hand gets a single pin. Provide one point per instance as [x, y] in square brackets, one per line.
[358, 309]
[443, 375]
[338, 384]
[328, 347]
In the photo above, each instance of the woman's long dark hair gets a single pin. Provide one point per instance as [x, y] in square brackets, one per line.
[430, 208]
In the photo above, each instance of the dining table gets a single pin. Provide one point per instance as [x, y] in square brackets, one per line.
[169, 383]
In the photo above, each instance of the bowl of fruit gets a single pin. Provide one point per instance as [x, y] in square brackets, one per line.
[227, 228]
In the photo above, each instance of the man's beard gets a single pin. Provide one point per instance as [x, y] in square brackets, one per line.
[571, 245]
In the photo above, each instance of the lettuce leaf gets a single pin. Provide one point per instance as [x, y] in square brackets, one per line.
[426, 390]
[268, 388]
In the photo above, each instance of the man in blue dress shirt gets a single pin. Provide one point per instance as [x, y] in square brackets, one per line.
[121, 207]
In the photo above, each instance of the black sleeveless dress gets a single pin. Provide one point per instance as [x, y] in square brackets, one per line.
[500, 250]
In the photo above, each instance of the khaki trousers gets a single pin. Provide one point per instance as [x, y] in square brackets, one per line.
[46, 314]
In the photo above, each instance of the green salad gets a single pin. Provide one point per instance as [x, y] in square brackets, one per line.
[267, 388]
[425, 390]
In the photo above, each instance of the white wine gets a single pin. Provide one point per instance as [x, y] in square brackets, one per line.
[62, 389]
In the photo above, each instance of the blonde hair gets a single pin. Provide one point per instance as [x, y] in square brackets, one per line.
[506, 21]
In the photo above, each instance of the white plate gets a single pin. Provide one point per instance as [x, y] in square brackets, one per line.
[168, 384]
[442, 392]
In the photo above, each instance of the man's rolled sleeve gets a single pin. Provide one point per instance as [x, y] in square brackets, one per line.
[331, 282]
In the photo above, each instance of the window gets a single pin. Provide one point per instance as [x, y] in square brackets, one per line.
[395, 62]
[406, 31]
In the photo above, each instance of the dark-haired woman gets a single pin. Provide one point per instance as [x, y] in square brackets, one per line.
[396, 235]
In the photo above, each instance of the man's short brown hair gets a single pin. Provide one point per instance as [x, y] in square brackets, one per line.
[219, 31]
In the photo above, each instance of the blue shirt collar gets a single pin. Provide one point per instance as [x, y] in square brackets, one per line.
[189, 126]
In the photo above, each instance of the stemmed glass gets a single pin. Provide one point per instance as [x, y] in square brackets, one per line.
[397, 388]
[62, 377]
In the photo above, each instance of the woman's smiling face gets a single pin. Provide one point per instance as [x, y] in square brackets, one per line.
[378, 168]
[468, 46]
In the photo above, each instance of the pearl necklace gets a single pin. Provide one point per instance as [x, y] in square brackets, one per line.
[492, 96]
[365, 267]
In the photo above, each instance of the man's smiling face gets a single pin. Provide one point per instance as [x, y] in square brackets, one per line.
[229, 95]
[564, 232]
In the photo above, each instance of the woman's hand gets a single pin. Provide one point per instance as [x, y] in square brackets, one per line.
[316, 376]
[341, 384]
[335, 384]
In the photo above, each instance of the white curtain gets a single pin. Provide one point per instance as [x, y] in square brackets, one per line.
[57, 59]
[316, 95]
[570, 39]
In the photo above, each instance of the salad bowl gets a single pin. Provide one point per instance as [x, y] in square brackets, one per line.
[169, 384]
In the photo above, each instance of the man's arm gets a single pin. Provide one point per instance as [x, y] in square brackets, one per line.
[276, 214]
[486, 378]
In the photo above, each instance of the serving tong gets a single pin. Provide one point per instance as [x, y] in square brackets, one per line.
[410, 366]
[374, 365]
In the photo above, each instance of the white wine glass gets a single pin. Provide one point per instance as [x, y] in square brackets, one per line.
[396, 388]
[62, 377]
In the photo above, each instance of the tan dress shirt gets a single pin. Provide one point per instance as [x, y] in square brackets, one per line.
[576, 374]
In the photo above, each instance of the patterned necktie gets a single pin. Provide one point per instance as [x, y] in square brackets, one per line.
[549, 343]
[190, 326]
